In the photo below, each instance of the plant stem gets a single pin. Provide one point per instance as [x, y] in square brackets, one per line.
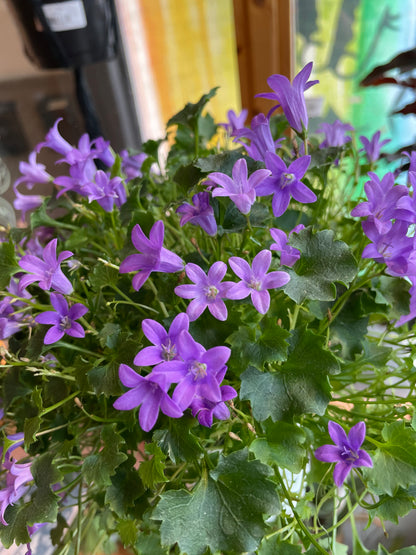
[297, 517]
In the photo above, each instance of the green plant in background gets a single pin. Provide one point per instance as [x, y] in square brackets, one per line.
[184, 339]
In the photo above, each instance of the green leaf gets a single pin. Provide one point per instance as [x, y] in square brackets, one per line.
[8, 263]
[105, 380]
[283, 446]
[189, 115]
[187, 176]
[250, 346]
[230, 503]
[39, 217]
[392, 508]
[100, 467]
[148, 543]
[103, 275]
[126, 487]
[273, 546]
[177, 441]
[152, 471]
[323, 262]
[224, 162]
[32, 424]
[109, 335]
[127, 530]
[299, 386]
[394, 462]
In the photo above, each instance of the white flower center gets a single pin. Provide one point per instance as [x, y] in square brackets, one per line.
[168, 350]
[211, 292]
[199, 370]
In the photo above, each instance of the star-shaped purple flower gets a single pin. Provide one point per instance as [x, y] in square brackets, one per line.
[150, 393]
[62, 319]
[235, 121]
[242, 191]
[291, 97]
[346, 452]
[47, 271]
[153, 258]
[260, 136]
[201, 213]
[288, 254]
[335, 133]
[207, 291]
[372, 146]
[256, 281]
[285, 182]
[106, 191]
[164, 343]
[197, 373]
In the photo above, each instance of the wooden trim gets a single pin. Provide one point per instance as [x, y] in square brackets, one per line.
[265, 45]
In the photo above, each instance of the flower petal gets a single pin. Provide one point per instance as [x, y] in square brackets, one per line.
[341, 472]
[338, 436]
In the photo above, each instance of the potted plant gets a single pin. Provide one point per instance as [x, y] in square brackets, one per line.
[212, 354]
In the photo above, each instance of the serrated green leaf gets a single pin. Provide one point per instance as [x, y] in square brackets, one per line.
[177, 442]
[189, 115]
[105, 380]
[126, 487]
[323, 263]
[250, 347]
[230, 501]
[8, 263]
[394, 462]
[283, 446]
[128, 531]
[108, 335]
[39, 217]
[224, 162]
[151, 471]
[392, 508]
[57, 532]
[187, 176]
[101, 466]
[30, 429]
[299, 386]
[273, 546]
[103, 275]
[148, 543]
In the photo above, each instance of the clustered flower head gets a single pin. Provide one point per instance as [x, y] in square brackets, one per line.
[176, 359]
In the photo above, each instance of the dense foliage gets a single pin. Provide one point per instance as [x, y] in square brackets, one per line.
[191, 343]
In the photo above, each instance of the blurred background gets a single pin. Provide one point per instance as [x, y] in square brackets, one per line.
[121, 68]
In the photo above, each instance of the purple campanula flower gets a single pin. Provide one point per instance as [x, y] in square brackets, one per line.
[235, 121]
[12, 319]
[242, 191]
[197, 373]
[55, 141]
[62, 319]
[372, 147]
[291, 97]
[382, 205]
[153, 258]
[207, 291]
[131, 164]
[285, 182]
[201, 213]
[205, 410]
[103, 152]
[106, 191]
[335, 133]
[47, 271]
[346, 452]
[255, 280]
[26, 203]
[288, 255]
[260, 136]
[32, 172]
[164, 343]
[394, 248]
[150, 393]
[17, 478]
